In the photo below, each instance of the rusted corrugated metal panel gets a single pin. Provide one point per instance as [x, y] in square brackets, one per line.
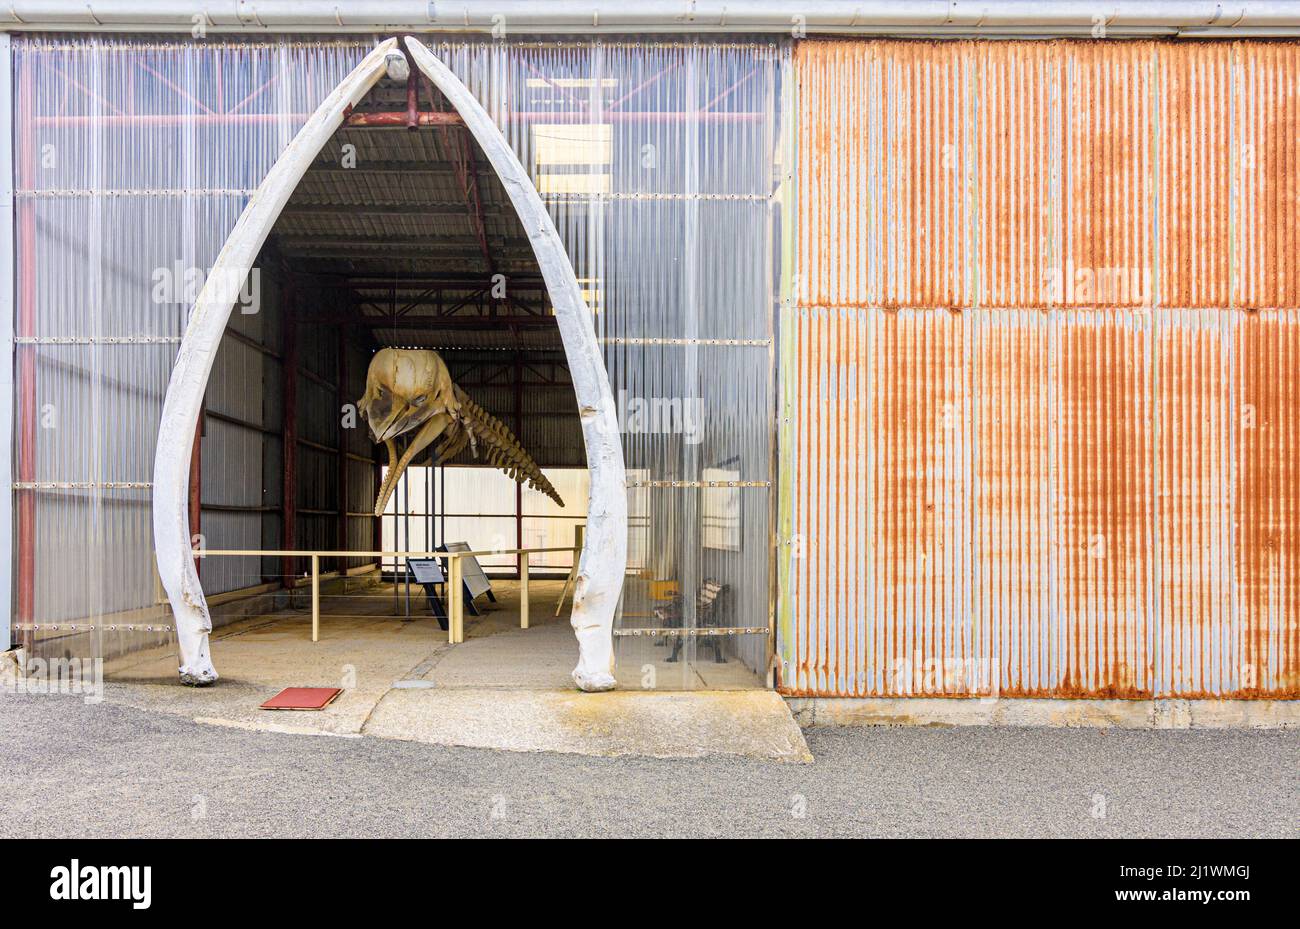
[1062, 501]
[1107, 168]
[962, 173]
[880, 521]
[1012, 496]
[1266, 156]
[973, 504]
[1195, 177]
[1101, 451]
[1267, 503]
[1193, 472]
[1047, 456]
[1017, 176]
[882, 137]
[1049, 173]
[1063, 172]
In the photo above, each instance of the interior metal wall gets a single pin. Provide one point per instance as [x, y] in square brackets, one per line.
[242, 444]
[1039, 371]
[531, 393]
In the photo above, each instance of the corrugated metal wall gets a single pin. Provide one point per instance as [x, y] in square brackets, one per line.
[1041, 406]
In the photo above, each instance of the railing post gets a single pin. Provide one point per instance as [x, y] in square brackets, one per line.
[523, 590]
[315, 598]
[455, 600]
[573, 571]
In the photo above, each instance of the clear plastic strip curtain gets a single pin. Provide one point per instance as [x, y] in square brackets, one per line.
[133, 162]
[657, 160]
[658, 163]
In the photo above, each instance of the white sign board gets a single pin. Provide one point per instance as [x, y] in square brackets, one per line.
[476, 582]
[426, 570]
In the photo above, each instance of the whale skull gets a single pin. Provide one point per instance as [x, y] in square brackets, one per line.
[410, 393]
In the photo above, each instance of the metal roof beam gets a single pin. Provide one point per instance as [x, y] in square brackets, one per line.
[293, 241]
[383, 167]
[378, 209]
[421, 281]
[399, 120]
[433, 323]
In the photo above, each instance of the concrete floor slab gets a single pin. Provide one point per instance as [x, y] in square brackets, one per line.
[504, 687]
[542, 657]
[754, 724]
[260, 656]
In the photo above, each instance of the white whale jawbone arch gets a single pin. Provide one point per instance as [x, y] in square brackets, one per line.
[604, 555]
[603, 560]
[171, 467]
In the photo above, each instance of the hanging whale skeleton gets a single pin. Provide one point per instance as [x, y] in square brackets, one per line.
[409, 392]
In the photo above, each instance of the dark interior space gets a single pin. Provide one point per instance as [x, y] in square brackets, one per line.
[399, 235]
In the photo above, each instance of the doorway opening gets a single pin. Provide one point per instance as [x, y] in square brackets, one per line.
[397, 230]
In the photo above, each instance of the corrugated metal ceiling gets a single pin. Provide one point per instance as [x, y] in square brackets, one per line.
[384, 212]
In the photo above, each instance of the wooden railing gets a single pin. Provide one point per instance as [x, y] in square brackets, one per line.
[454, 577]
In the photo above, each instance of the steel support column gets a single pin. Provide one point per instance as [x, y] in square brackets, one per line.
[377, 523]
[26, 359]
[340, 398]
[460, 144]
[289, 390]
[519, 434]
[6, 336]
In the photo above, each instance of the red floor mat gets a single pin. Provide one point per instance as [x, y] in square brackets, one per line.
[302, 698]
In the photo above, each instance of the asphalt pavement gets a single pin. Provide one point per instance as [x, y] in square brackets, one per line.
[71, 769]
